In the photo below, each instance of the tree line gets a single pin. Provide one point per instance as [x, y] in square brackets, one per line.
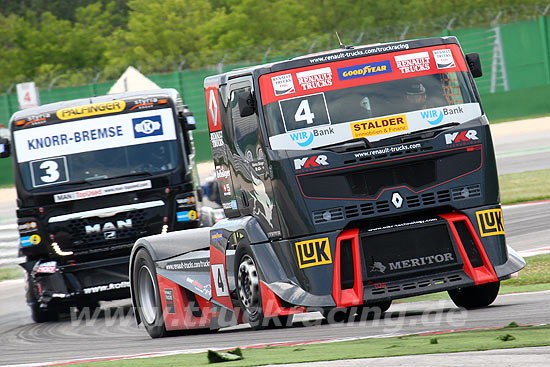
[73, 42]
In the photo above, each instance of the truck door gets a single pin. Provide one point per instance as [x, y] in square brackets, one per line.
[251, 178]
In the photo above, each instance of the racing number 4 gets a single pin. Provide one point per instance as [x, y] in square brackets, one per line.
[303, 113]
[220, 281]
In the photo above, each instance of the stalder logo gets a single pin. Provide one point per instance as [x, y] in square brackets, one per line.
[490, 222]
[384, 125]
[147, 126]
[313, 252]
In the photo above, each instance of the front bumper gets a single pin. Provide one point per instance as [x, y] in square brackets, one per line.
[396, 260]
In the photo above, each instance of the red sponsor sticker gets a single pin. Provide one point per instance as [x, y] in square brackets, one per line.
[213, 108]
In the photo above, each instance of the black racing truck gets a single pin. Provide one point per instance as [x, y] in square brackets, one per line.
[349, 178]
[92, 176]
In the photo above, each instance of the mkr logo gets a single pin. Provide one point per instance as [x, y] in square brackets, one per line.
[313, 252]
[147, 126]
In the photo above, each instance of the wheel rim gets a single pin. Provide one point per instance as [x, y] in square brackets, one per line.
[249, 291]
[147, 295]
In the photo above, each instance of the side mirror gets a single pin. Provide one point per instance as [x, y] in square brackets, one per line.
[247, 104]
[474, 64]
[187, 119]
[4, 148]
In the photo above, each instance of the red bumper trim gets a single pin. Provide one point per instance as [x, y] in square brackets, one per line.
[353, 296]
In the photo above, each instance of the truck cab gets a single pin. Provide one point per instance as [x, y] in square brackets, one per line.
[349, 178]
[92, 176]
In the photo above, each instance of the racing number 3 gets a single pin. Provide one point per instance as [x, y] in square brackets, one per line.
[51, 169]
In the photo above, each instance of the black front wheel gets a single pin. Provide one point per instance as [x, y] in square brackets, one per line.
[39, 313]
[146, 294]
[475, 296]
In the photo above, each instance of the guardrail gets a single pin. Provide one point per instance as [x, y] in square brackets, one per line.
[9, 243]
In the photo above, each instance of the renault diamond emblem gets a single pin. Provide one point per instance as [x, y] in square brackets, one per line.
[396, 200]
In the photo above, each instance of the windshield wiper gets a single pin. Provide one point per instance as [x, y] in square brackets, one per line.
[139, 173]
[416, 135]
[347, 146]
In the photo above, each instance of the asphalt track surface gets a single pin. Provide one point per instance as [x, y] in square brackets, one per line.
[113, 332]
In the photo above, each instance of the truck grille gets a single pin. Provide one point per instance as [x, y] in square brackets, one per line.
[418, 173]
[92, 233]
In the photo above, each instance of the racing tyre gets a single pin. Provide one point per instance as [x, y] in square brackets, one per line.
[146, 293]
[38, 314]
[373, 310]
[475, 296]
[247, 281]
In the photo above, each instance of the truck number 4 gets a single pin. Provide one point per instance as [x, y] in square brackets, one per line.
[303, 113]
[220, 281]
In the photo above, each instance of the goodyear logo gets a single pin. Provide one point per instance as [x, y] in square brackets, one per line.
[359, 71]
[216, 236]
[379, 126]
[313, 252]
[91, 110]
[490, 222]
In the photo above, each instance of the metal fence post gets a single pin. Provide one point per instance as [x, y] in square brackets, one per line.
[543, 28]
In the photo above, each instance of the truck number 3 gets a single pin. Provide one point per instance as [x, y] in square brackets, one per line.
[51, 170]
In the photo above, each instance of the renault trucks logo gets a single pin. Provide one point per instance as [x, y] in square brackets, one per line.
[317, 78]
[444, 59]
[311, 162]
[147, 126]
[283, 84]
[359, 71]
[313, 252]
[466, 136]
[419, 61]
[490, 222]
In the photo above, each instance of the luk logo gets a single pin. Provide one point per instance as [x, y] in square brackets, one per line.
[147, 126]
[466, 136]
[432, 117]
[313, 252]
[490, 222]
[311, 162]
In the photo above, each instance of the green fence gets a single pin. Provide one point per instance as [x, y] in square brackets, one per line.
[515, 84]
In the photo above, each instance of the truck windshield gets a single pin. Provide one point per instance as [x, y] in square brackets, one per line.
[89, 150]
[87, 167]
[372, 97]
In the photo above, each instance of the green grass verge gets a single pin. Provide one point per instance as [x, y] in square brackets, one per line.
[11, 273]
[525, 186]
[508, 337]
